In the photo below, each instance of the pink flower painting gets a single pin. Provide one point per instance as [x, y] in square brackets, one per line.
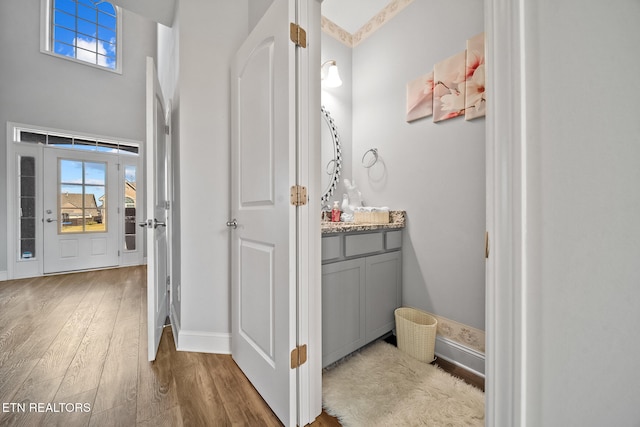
[476, 103]
[449, 88]
[420, 97]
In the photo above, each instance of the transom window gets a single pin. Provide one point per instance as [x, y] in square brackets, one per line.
[84, 30]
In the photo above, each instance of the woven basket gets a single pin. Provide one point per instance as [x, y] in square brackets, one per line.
[416, 332]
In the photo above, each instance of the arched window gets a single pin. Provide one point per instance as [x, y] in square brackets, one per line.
[83, 30]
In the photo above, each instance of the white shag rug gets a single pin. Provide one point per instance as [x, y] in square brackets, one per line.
[383, 386]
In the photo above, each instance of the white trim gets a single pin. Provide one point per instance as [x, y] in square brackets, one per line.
[204, 342]
[35, 270]
[175, 324]
[45, 38]
[311, 386]
[464, 357]
[513, 386]
[4, 275]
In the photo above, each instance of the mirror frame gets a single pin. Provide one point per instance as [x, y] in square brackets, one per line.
[337, 152]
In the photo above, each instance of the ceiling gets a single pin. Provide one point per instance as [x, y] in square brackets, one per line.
[351, 15]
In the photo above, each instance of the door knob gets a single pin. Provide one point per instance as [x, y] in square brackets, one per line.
[157, 223]
[51, 220]
[145, 224]
[233, 223]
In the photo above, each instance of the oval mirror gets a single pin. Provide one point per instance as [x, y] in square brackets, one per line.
[330, 155]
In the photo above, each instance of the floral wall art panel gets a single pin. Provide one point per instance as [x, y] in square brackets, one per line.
[449, 88]
[476, 103]
[420, 97]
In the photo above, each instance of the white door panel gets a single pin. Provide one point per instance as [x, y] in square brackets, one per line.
[156, 207]
[264, 244]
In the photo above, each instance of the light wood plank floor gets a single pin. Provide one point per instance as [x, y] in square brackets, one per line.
[82, 339]
[78, 342]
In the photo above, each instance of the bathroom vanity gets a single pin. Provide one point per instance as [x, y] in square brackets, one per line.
[361, 283]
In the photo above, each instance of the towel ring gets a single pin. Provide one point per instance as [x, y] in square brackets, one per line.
[331, 170]
[373, 160]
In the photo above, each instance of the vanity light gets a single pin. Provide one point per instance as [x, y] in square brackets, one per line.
[332, 78]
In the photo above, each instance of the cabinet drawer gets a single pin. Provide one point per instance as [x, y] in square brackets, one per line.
[359, 244]
[394, 240]
[331, 248]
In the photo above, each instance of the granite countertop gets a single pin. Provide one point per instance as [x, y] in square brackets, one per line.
[396, 221]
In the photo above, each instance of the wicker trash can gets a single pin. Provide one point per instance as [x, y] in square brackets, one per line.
[416, 333]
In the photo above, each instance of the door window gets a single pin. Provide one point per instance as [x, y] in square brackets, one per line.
[82, 196]
[130, 207]
[27, 197]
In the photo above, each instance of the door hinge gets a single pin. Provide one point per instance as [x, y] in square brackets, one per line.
[486, 244]
[298, 356]
[118, 253]
[298, 35]
[166, 129]
[298, 195]
[168, 283]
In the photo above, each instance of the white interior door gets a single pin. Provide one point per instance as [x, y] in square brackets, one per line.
[263, 255]
[156, 208]
[81, 224]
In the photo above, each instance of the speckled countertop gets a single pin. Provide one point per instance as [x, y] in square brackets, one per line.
[396, 221]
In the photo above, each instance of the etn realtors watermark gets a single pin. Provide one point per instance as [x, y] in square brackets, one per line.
[41, 407]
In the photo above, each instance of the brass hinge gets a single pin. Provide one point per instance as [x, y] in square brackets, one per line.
[298, 35]
[298, 195]
[486, 244]
[298, 356]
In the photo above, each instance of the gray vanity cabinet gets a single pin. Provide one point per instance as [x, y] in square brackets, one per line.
[361, 288]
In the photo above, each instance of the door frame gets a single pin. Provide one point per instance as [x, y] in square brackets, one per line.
[20, 269]
[511, 303]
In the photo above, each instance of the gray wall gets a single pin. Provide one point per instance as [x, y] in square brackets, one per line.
[583, 167]
[434, 171]
[339, 102]
[197, 78]
[43, 90]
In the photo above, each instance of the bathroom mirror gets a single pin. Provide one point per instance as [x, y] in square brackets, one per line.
[330, 155]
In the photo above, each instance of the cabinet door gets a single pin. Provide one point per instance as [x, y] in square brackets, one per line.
[383, 293]
[343, 316]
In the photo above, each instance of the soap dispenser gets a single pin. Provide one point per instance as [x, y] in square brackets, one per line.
[335, 212]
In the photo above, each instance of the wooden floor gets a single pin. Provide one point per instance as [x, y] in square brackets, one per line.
[73, 352]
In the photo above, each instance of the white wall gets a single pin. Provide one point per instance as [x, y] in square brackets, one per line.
[584, 158]
[434, 171]
[209, 34]
[168, 74]
[43, 90]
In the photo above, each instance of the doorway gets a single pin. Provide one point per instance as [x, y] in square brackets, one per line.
[71, 202]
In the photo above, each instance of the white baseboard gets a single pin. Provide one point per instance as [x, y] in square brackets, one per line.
[204, 342]
[465, 357]
[4, 275]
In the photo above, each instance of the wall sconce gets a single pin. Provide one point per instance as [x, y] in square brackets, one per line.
[332, 78]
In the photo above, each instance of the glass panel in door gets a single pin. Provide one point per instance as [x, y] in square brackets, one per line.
[82, 196]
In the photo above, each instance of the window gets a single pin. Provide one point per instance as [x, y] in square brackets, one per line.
[130, 184]
[73, 142]
[82, 196]
[83, 30]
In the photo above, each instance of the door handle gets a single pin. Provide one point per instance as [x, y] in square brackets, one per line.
[51, 220]
[157, 223]
[145, 224]
[233, 223]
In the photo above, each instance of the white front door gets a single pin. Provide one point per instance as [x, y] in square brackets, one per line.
[263, 256]
[81, 224]
[156, 207]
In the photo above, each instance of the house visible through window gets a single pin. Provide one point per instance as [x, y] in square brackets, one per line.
[84, 30]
